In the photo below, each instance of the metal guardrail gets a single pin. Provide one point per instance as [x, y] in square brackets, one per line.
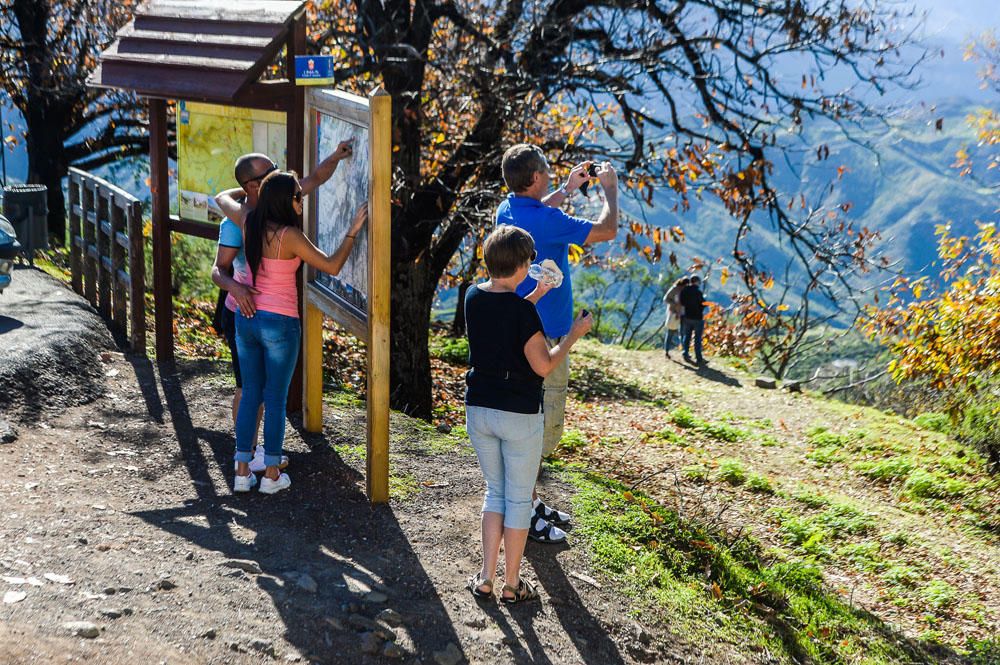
[107, 260]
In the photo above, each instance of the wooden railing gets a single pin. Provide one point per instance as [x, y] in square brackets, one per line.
[106, 254]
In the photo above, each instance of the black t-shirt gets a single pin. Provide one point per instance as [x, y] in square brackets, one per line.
[499, 325]
[693, 301]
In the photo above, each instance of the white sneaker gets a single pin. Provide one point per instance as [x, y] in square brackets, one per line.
[268, 486]
[257, 462]
[244, 483]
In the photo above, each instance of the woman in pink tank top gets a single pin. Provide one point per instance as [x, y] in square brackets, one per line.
[268, 341]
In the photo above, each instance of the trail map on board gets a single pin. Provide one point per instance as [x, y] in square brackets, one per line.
[209, 139]
[336, 202]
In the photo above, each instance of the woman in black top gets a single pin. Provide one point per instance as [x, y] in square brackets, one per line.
[509, 359]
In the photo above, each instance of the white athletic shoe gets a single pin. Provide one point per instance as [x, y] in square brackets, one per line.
[244, 483]
[268, 486]
[257, 462]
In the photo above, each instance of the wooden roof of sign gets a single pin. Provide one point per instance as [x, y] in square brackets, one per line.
[200, 50]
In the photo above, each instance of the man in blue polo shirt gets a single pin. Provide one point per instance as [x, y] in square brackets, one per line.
[535, 209]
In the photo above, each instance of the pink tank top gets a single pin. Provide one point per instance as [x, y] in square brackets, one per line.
[276, 284]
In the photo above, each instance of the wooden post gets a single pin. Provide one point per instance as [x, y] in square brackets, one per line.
[104, 275]
[89, 244]
[160, 196]
[312, 355]
[75, 234]
[295, 143]
[379, 274]
[118, 267]
[137, 279]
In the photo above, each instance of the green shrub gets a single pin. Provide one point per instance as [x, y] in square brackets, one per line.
[842, 518]
[902, 575]
[980, 428]
[723, 432]
[825, 456]
[936, 422]
[939, 594]
[453, 350]
[683, 417]
[759, 483]
[572, 440]
[925, 484]
[887, 469]
[732, 471]
[696, 472]
[667, 436]
[821, 437]
[768, 441]
[811, 498]
[899, 538]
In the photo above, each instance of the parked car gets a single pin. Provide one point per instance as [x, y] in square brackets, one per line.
[9, 249]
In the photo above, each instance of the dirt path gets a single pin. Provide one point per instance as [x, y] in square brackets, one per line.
[119, 515]
[902, 537]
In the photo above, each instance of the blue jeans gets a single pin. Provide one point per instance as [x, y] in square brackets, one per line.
[509, 448]
[671, 337]
[692, 328]
[268, 345]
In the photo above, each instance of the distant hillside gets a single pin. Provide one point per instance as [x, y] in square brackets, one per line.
[903, 187]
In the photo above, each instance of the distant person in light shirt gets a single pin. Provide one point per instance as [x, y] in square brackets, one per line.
[230, 260]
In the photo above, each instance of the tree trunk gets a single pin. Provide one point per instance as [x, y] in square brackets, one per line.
[413, 288]
[47, 165]
[458, 323]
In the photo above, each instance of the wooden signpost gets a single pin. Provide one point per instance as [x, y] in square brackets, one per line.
[357, 298]
[217, 52]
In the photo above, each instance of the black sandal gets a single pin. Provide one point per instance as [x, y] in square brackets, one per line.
[544, 535]
[525, 591]
[477, 581]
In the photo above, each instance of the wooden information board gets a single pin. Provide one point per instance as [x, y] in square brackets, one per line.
[357, 298]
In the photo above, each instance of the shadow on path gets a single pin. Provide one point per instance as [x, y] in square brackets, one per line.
[324, 528]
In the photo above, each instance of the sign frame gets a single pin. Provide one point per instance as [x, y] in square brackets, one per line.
[372, 326]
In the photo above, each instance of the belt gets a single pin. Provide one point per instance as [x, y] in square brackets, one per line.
[504, 374]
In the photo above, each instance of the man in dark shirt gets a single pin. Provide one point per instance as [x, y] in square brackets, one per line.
[693, 301]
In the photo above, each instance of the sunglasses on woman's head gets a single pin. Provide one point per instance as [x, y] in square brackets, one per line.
[267, 172]
[297, 196]
[534, 255]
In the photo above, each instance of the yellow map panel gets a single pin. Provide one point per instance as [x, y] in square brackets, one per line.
[209, 139]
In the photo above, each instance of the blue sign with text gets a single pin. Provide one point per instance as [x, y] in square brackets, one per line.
[313, 69]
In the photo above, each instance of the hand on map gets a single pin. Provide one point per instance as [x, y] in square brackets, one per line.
[360, 219]
[344, 150]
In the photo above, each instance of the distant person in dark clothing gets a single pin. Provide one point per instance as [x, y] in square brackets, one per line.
[694, 303]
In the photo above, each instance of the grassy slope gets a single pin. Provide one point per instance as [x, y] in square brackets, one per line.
[839, 511]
